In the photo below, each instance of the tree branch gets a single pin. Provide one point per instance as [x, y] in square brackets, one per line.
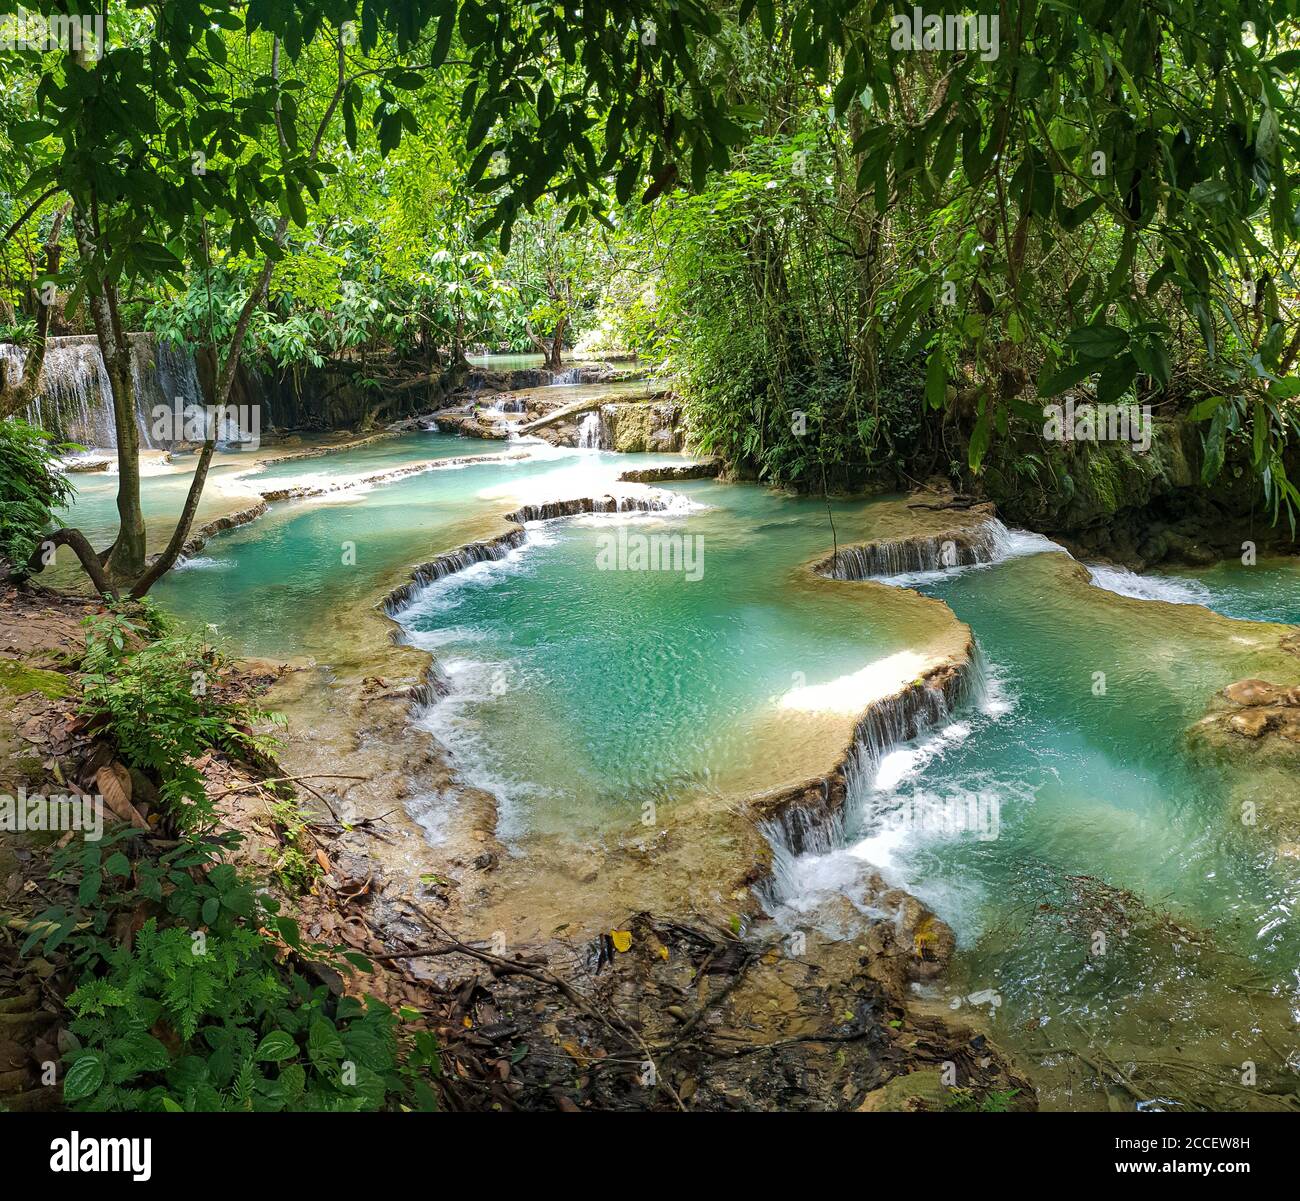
[85, 553]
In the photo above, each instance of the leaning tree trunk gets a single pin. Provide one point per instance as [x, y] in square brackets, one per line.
[125, 559]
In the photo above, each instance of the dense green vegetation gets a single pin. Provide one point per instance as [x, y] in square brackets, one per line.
[30, 489]
[193, 993]
[864, 257]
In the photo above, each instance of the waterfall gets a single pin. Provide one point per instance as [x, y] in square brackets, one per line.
[449, 564]
[590, 432]
[498, 548]
[76, 400]
[904, 556]
[560, 379]
[650, 502]
[802, 823]
[897, 559]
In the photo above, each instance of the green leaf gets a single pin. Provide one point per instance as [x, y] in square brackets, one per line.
[297, 210]
[1206, 409]
[117, 864]
[1072, 218]
[1065, 377]
[216, 46]
[936, 379]
[1153, 360]
[323, 1041]
[84, 1077]
[1097, 341]
[1116, 378]
[979, 441]
[275, 1047]
[1215, 443]
[442, 39]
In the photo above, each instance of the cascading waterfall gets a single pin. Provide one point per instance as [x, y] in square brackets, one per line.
[654, 502]
[498, 548]
[988, 542]
[76, 399]
[799, 829]
[590, 432]
[909, 555]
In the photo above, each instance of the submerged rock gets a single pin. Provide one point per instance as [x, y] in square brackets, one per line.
[701, 469]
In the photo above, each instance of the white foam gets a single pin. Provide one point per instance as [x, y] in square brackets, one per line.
[1151, 587]
[1007, 544]
[203, 563]
[455, 722]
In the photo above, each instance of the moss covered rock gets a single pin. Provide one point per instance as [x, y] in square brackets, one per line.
[16, 677]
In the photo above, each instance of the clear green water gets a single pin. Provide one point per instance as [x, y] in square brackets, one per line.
[94, 510]
[506, 362]
[581, 692]
[289, 583]
[382, 455]
[1268, 590]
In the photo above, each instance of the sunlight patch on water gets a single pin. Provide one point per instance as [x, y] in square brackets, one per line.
[851, 694]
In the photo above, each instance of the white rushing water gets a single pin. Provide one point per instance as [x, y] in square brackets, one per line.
[885, 819]
[589, 432]
[1004, 543]
[76, 399]
[1151, 587]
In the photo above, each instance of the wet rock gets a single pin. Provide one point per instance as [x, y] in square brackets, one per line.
[1253, 723]
[703, 469]
[1259, 692]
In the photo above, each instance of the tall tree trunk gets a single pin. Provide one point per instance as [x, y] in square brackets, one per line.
[126, 561]
[556, 352]
[225, 385]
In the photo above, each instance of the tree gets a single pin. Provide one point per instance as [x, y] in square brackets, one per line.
[162, 137]
[555, 272]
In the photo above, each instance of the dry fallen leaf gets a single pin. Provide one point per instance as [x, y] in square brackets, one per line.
[114, 784]
[622, 939]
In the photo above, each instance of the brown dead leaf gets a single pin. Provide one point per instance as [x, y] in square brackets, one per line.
[114, 784]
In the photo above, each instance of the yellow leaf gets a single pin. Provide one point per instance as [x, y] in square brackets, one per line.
[622, 939]
[663, 952]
